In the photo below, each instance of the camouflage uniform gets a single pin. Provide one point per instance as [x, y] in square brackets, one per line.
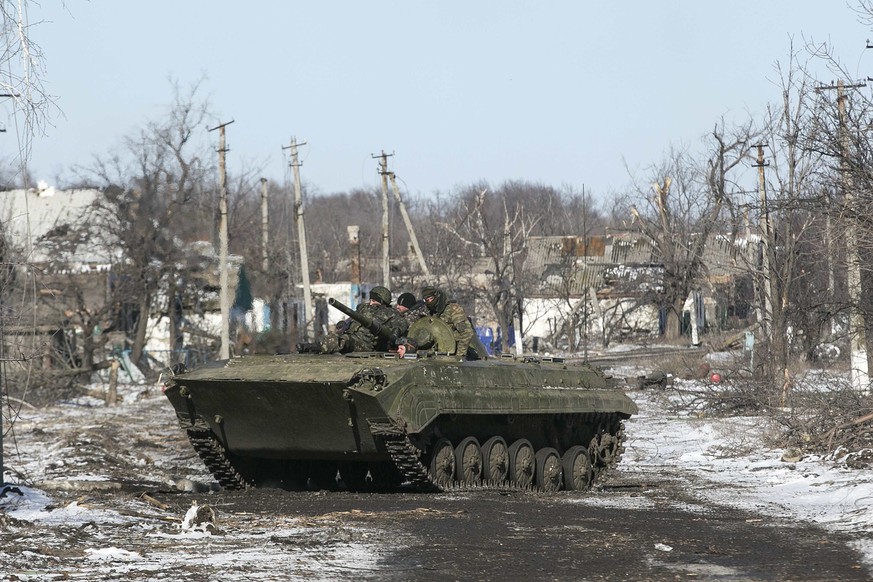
[354, 337]
[460, 325]
[415, 313]
[453, 315]
[387, 318]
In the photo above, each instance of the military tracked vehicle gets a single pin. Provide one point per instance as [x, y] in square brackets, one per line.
[426, 422]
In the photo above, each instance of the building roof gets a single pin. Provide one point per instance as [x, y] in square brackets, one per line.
[29, 215]
[571, 264]
[625, 262]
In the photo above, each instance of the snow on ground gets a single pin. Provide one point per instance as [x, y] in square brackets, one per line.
[60, 452]
[731, 466]
[140, 548]
[721, 460]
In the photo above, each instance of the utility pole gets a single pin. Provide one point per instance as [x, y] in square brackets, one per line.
[309, 323]
[222, 238]
[829, 253]
[767, 246]
[3, 488]
[858, 368]
[383, 171]
[265, 226]
[412, 238]
[510, 268]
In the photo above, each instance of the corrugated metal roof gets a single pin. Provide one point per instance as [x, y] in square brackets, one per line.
[572, 264]
[725, 256]
[624, 262]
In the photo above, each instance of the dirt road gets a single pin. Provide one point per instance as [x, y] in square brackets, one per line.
[624, 533]
[111, 511]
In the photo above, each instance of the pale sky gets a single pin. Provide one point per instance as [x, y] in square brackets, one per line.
[559, 92]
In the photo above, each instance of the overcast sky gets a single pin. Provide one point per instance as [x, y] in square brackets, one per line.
[560, 92]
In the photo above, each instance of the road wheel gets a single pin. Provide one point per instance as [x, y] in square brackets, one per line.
[442, 463]
[495, 460]
[521, 463]
[549, 476]
[578, 472]
[468, 461]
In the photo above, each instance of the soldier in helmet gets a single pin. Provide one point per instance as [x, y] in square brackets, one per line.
[351, 336]
[448, 310]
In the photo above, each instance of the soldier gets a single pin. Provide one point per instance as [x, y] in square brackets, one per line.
[351, 336]
[448, 310]
[410, 309]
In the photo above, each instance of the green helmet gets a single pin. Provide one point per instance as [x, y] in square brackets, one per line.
[381, 294]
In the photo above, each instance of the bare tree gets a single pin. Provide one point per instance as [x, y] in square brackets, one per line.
[499, 238]
[329, 244]
[483, 257]
[560, 275]
[23, 69]
[165, 171]
[839, 131]
[683, 210]
[790, 207]
[21, 82]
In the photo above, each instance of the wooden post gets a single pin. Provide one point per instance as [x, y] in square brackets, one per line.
[766, 231]
[412, 238]
[222, 243]
[112, 395]
[265, 227]
[386, 265]
[858, 368]
[308, 323]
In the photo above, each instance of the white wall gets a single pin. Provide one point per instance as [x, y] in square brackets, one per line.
[543, 316]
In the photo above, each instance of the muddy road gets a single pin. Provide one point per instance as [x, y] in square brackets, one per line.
[520, 536]
[613, 534]
[103, 502]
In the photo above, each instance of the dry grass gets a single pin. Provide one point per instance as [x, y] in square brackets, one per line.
[808, 407]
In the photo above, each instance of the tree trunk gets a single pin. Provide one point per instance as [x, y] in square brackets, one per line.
[503, 323]
[88, 347]
[142, 323]
[88, 344]
[672, 327]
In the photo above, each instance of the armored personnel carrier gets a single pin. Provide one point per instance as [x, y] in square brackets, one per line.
[427, 421]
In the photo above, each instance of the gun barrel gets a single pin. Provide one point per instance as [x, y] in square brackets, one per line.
[365, 321]
[345, 309]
